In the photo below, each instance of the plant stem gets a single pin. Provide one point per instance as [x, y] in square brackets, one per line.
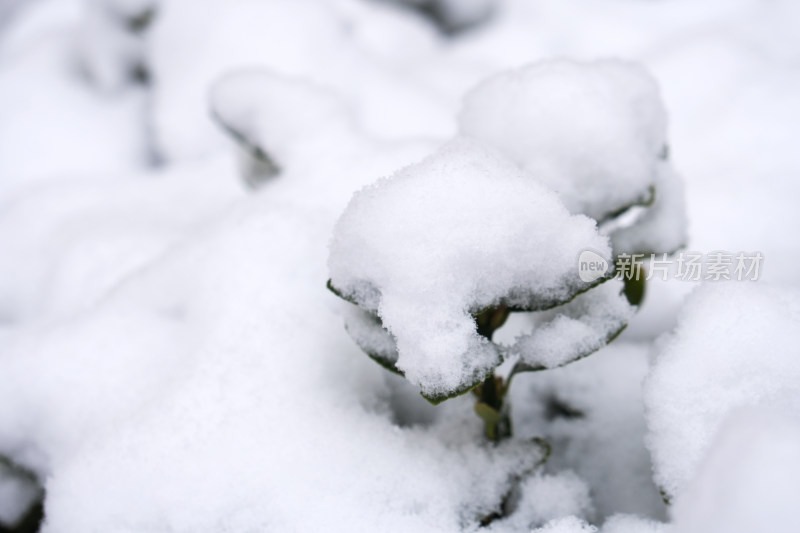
[491, 406]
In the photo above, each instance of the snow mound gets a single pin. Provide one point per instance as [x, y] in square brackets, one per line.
[592, 131]
[68, 242]
[182, 430]
[731, 349]
[461, 231]
[48, 108]
[748, 480]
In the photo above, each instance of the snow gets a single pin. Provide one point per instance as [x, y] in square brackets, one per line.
[456, 233]
[569, 524]
[747, 479]
[367, 330]
[732, 348]
[274, 119]
[591, 131]
[547, 497]
[171, 360]
[577, 329]
[208, 421]
[633, 524]
[83, 236]
[192, 44]
[616, 524]
[592, 414]
[111, 42]
[662, 227]
[48, 109]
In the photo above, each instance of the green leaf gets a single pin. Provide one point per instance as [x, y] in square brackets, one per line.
[385, 363]
[635, 286]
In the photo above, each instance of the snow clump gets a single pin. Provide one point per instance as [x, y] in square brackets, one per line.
[594, 132]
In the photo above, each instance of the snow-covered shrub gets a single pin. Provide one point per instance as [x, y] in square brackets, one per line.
[439, 254]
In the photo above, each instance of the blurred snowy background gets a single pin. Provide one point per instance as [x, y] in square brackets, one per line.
[171, 361]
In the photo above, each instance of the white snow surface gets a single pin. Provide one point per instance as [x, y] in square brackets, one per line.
[569, 524]
[734, 347]
[746, 480]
